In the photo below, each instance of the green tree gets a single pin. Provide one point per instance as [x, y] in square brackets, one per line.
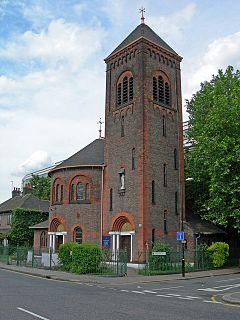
[41, 187]
[214, 160]
[22, 219]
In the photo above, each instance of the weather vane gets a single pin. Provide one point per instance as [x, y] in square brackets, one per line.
[142, 11]
[100, 122]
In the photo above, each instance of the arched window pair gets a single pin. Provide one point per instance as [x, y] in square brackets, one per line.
[57, 192]
[80, 192]
[125, 90]
[161, 90]
[77, 235]
[43, 239]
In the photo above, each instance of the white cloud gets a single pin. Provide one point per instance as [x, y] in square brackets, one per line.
[220, 54]
[38, 160]
[62, 43]
[172, 26]
[54, 107]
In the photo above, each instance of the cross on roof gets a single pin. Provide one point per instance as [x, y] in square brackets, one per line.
[100, 122]
[142, 10]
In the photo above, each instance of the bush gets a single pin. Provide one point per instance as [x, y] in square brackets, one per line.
[65, 254]
[86, 258]
[159, 262]
[218, 251]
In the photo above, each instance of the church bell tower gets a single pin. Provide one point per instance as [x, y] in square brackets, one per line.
[143, 176]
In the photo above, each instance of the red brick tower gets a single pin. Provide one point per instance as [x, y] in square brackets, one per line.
[143, 185]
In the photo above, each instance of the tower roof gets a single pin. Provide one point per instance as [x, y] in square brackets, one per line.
[143, 31]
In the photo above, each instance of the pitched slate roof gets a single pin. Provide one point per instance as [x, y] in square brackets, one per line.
[28, 201]
[143, 31]
[91, 155]
[41, 225]
[202, 226]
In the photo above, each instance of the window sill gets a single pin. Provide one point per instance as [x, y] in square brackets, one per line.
[125, 104]
[80, 202]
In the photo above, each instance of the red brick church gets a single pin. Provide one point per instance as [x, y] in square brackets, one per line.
[127, 188]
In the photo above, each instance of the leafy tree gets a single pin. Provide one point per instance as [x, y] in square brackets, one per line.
[214, 160]
[41, 187]
[22, 219]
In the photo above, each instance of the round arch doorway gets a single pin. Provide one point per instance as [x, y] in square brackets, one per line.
[122, 237]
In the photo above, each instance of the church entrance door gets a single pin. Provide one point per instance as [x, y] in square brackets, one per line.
[125, 244]
[59, 240]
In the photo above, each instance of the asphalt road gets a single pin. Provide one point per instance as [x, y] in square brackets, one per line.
[25, 297]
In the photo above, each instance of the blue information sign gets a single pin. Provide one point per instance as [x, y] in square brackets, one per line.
[180, 236]
[106, 242]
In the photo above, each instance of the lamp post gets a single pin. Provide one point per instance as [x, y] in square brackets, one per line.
[183, 241]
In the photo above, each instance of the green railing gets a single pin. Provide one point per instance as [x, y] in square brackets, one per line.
[172, 262]
[103, 262]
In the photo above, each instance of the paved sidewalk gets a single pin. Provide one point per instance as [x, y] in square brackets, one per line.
[107, 280]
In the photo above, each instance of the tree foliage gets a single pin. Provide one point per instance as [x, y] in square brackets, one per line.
[214, 160]
[22, 219]
[41, 187]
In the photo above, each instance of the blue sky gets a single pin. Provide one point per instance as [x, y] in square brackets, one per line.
[52, 75]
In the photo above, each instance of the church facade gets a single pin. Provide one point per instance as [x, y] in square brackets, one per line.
[128, 188]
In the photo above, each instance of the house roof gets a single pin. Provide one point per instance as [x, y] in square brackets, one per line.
[202, 226]
[28, 201]
[91, 155]
[143, 31]
[41, 225]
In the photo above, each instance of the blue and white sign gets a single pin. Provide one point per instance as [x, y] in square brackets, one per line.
[180, 236]
[106, 242]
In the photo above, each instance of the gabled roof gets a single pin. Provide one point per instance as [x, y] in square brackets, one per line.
[91, 155]
[202, 226]
[28, 201]
[143, 31]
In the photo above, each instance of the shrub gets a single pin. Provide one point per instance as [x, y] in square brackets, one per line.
[218, 251]
[159, 262]
[86, 258]
[65, 254]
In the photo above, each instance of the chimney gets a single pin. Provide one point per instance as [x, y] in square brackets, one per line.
[16, 192]
[27, 189]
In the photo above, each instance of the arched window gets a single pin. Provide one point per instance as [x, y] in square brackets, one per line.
[61, 196]
[133, 159]
[43, 239]
[165, 221]
[111, 200]
[87, 191]
[153, 192]
[176, 203]
[164, 175]
[155, 96]
[125, 88]
[58, 193]
[167, 94]
[175, 159]
[119, 94]
[77, 235]
[131, 89]
[153, 237]
[161, 90]
[79, 191]
[72, 192]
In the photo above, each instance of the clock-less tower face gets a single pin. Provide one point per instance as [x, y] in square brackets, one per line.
[143, 147]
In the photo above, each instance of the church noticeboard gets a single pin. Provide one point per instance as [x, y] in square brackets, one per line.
[106, 242]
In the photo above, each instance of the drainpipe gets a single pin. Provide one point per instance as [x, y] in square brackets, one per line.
[101, 223]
